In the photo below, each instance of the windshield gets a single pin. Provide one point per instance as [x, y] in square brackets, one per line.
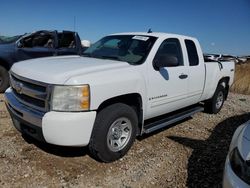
[133, 49]
[5, 40]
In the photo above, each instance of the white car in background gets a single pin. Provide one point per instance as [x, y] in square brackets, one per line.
[222, 57]
[237, 167]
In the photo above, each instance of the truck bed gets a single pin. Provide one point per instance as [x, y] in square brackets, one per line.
[216, 71]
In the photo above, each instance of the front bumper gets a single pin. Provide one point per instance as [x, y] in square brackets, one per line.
[230, 179]
[59, 128]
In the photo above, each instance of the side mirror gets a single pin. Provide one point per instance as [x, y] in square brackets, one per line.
[165, 61]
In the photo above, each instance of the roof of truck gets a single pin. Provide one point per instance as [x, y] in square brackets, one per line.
[156, 34]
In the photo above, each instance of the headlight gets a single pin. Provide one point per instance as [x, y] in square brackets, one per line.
[71, 98]
[240, 167]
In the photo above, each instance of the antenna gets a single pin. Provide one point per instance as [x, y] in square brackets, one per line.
[150, 31]
[74, 23]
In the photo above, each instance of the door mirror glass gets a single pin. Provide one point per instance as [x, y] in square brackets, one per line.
[165, 61]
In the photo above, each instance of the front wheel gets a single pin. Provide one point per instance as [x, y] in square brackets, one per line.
[215, 104]
[114, 132]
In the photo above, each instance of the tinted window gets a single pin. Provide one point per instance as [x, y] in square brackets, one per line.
[38, 39]
[192, 53]
[66, 40]
[170, 47]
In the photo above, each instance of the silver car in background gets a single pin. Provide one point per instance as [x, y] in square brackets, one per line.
[237, 166]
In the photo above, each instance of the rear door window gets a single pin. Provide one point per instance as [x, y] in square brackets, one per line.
[66, 40]
[192, 53]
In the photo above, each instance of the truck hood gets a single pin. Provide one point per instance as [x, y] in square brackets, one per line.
[57, 70]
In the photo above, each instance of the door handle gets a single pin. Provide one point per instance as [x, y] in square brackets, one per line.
[183, 76]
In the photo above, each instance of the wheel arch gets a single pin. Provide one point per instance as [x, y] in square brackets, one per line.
[132, 99]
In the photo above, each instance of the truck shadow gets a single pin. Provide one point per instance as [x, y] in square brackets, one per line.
[57, 150]
[64, 151]
[206, 164]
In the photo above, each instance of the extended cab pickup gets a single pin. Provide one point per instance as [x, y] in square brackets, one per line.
[33, 45]
[122, 86]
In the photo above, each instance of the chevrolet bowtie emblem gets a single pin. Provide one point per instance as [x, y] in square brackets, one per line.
[18, 87]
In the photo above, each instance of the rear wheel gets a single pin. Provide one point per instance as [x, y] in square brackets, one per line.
[4, 79]
[215, 104]
[114, 132]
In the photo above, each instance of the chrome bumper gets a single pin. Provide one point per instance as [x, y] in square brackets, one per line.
[21, 111]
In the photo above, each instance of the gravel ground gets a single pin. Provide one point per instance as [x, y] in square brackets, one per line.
[189, 154]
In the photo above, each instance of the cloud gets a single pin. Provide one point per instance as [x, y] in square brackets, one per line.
[212, 44]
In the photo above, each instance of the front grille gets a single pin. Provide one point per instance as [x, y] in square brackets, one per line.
[30, 100]
[29, 84]
[31, 93]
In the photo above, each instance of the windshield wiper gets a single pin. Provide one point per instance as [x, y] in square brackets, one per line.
[102, 57]
[109, 57]
[87, 55]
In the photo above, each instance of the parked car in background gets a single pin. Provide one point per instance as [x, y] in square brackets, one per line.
[237, 166]
[243, 59]
[33, 45]
[212, 57]
[220, 57]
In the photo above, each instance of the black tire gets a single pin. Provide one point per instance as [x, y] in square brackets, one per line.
[4, 79]
[100, 148]
[214, 105]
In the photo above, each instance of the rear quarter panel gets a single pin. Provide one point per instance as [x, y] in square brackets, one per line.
[214, 73]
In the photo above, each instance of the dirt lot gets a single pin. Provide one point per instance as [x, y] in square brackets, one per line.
[189, 154]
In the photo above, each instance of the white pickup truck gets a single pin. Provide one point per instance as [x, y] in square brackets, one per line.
[124, 85]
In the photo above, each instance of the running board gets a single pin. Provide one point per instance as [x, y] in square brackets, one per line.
[162, 123]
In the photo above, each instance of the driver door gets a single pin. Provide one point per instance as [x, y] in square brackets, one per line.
[167, 86]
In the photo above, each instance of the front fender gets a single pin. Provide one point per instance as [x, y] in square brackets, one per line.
[112, 83]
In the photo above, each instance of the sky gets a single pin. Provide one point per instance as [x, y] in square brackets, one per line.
[221, 26]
